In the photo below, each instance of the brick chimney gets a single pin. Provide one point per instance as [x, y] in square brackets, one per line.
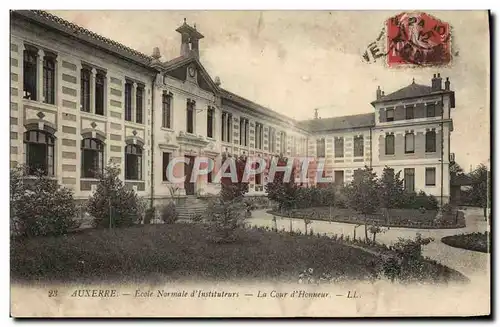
[436, 83]
[447, 84]
[379, 93]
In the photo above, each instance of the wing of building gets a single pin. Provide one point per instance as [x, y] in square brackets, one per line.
[79, 101]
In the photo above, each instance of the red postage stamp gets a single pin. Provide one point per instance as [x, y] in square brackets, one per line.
[418, 39]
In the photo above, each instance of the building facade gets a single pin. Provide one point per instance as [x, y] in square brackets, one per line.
[79, 101]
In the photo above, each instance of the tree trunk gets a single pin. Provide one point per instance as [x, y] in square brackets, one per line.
[366, 229]
[354, 237]
[374, 234]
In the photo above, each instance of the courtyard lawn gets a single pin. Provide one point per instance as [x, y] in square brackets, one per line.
[159, 253]
[475, 241]
[411, 218]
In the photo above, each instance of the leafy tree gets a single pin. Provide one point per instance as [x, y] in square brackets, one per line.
[281, 191]
[39, 205]
[362, 194]
[391, 192]
[479, 191]
[112, 199]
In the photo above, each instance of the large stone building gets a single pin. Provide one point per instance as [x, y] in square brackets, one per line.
[79, 101]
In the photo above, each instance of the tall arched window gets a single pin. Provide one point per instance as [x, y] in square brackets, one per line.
[133, 162]
[39, 150]
[92, 157]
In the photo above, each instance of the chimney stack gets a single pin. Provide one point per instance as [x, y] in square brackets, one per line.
[379, 93]
[436, 83]
[447, 84]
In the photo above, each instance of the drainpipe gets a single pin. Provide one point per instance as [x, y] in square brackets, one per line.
[371, 150]
[442, 148]
[152, 142]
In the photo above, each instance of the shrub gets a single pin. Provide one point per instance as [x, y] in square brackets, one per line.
[225, 217]
[112, 199]
[169, 213]
[149, 215]
[40, 206]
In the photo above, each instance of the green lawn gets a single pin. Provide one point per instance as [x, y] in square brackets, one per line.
[475, 241]
[159, 253]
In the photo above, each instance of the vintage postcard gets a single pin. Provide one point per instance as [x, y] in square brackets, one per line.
[250, 163]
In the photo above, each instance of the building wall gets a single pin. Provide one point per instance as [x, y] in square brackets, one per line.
[65, 115]
[420, 159]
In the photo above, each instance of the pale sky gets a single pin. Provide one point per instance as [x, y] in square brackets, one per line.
[295, 61]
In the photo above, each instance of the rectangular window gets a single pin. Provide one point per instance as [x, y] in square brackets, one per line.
[85, 90]
[338, 177]
[259, 135]
[128, 101]
[210, 122]
[430, 176]
[166, 161]
[139, 103]
[223, 127]
[409, 180]
[409, 143]
[339, 147]
[244, 131]
[359, 146]
[29, 74]
[229, 127]
[99, 94]
[410, 113]
[320, 148]
[389, 114]
[389, 144]
[430, 141]
[283, 143]
[49, 80]
[272, 140]
[190, 117]
[431, 110]
[166, 110]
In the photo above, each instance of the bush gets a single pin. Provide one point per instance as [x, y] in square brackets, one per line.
[113, 200]
[40, 206]
[417, 201]
[225, 217]
[149, 215]
[169, 213]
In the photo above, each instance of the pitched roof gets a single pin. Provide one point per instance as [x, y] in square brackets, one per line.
[84, 34]
[225, 94]
[338, 123]
[184, 60]
[414, 90]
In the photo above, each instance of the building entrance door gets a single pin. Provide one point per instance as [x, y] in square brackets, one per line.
[189, 187]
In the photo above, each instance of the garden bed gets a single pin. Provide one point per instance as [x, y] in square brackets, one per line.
[181, 251]
[479, 242]
[405, 218]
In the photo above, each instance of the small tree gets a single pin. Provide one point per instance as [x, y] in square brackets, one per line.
[229, 188]
[281, 191]
[362, 194]
[227, 212]
[391, 191]
[39, 205]
[113, 204]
